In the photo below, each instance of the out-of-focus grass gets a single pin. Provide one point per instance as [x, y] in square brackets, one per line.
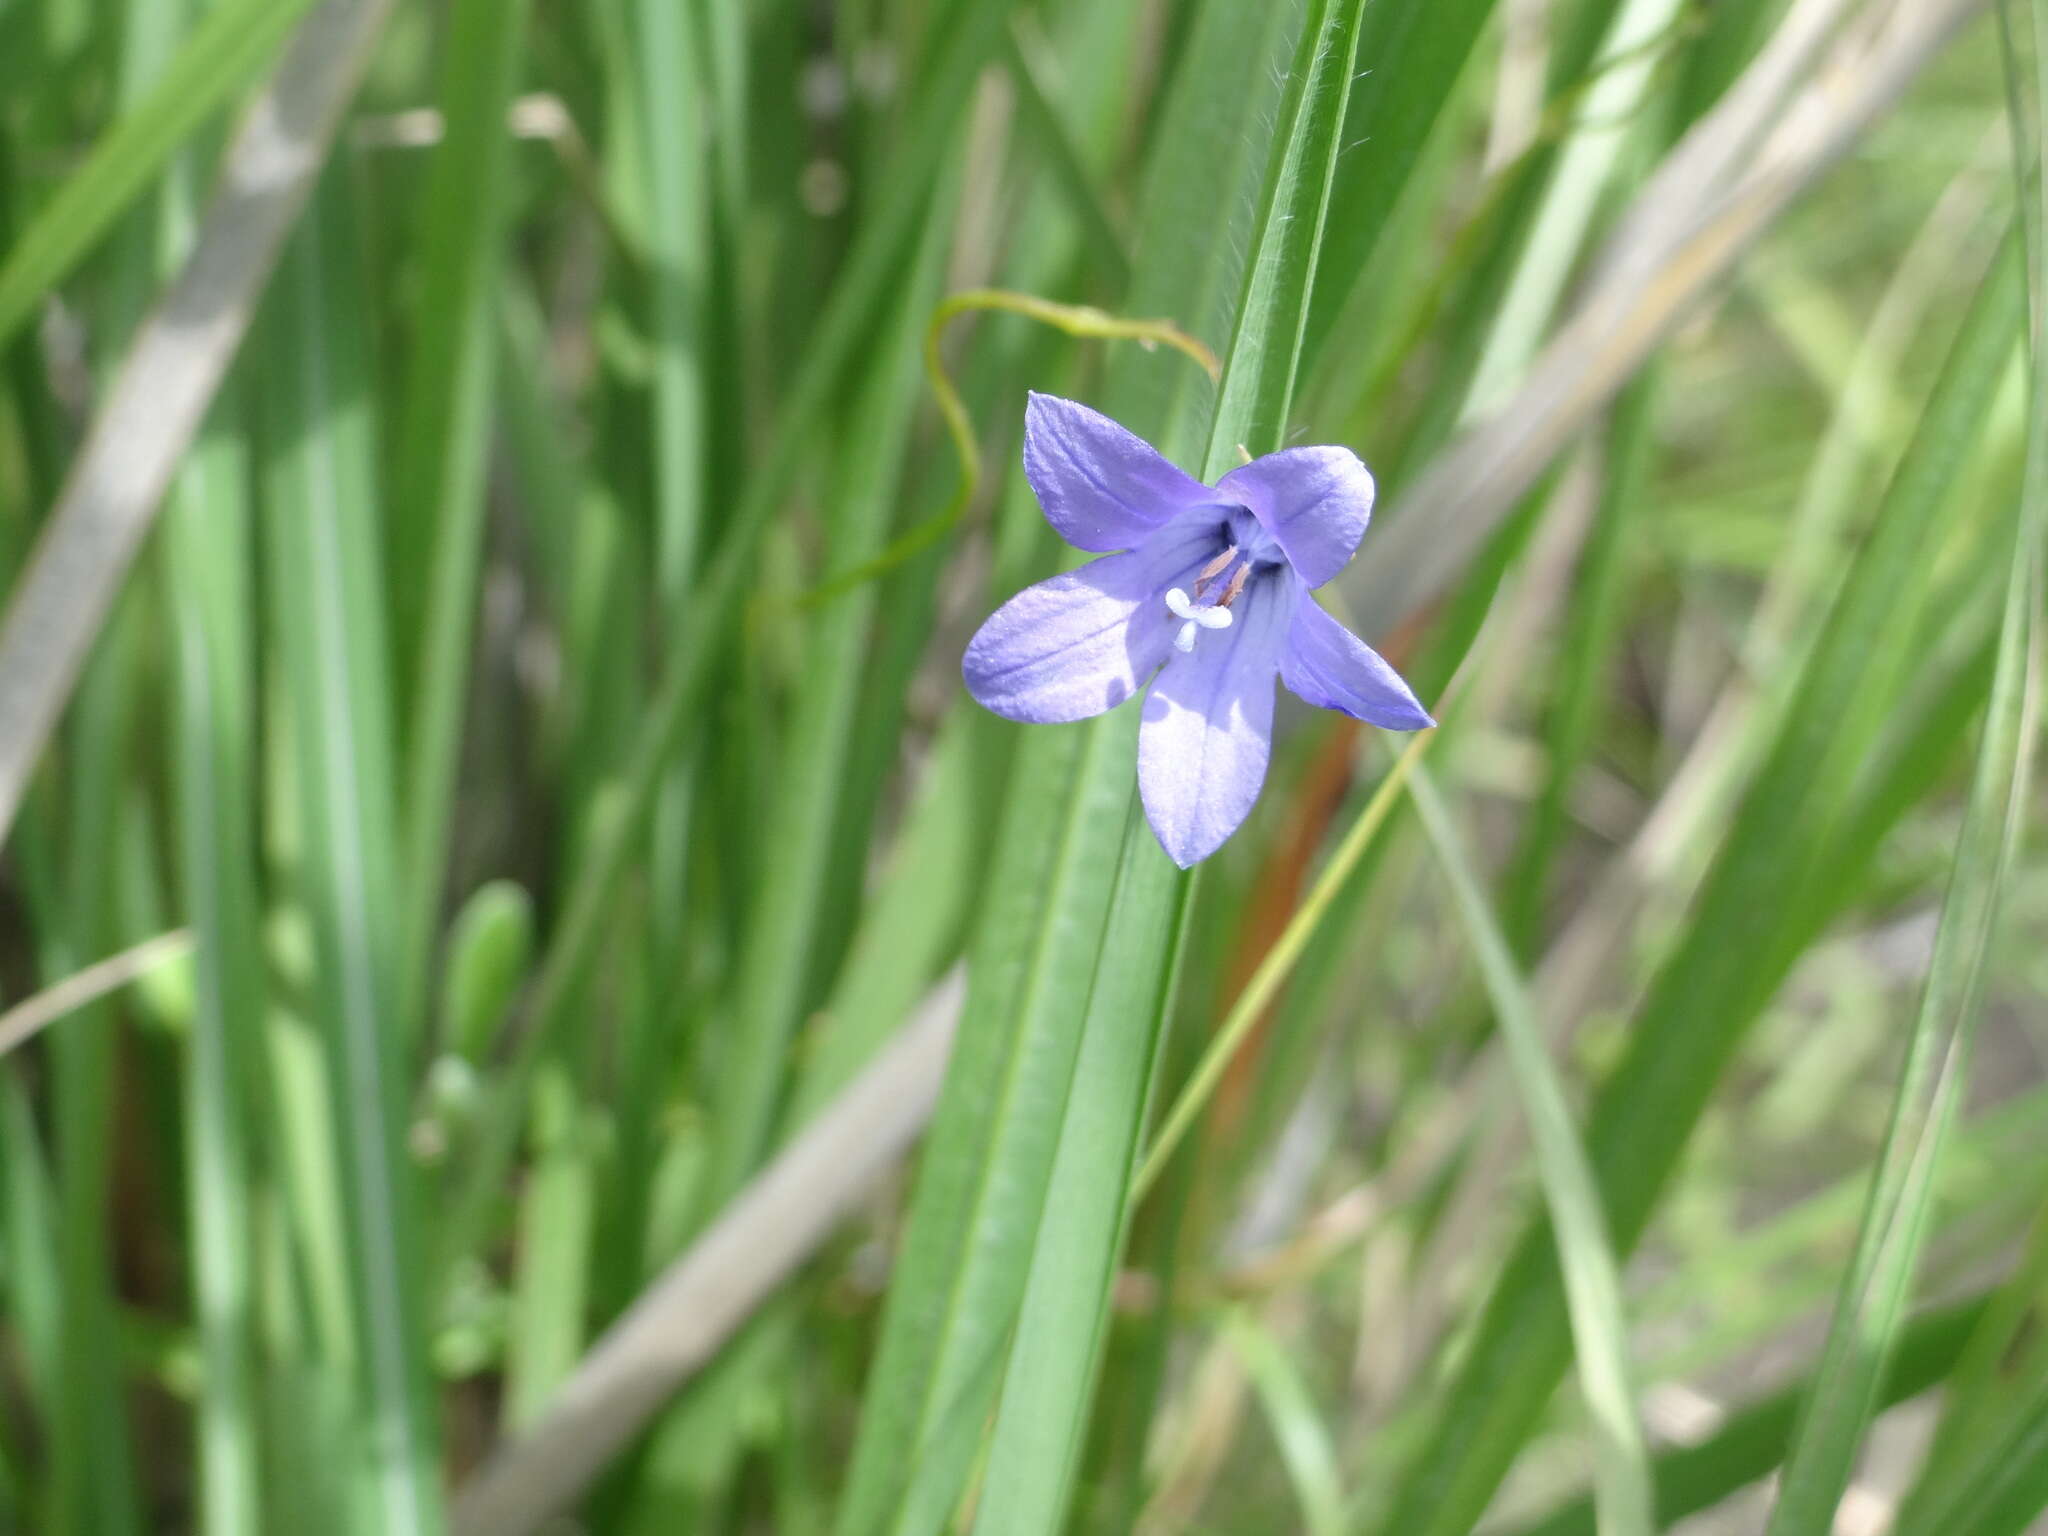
[552, 859]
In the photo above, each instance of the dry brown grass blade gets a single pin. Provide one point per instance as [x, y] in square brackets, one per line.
[682, 1319]
[167, 381]
[32, 1015]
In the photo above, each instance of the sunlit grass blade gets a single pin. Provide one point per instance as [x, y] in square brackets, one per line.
[1745, 930]
[221, 56]
[1592, 1277]
[322, 521]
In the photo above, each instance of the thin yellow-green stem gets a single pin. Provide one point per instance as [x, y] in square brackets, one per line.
[1076, 320]
[1274, 969]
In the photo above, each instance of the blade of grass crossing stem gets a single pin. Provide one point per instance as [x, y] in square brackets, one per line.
[1624, 71]
[438, 506]
[221, 56]
[1041, 1420]
[1734, 951]
[1592, 1278]
[323, 526]
[982, 1189]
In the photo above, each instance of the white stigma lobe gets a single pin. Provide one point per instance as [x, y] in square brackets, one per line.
[1196, 619]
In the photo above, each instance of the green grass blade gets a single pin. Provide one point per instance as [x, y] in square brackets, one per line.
[1304, 1440]
[775, 972]
[544, 1333]
[1039, 1430]
[2008, 1485]
[1410, 55]
[438, 496]
[1747, 926]
[1753, 1440]
[1029, 62]
[1592, 1276]
[223, 54]
[875, 262]
[1257, 390]
[209, 554]
[1879, 1278]
[323, 524]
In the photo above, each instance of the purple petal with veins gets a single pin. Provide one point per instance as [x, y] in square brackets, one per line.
[1208, 601]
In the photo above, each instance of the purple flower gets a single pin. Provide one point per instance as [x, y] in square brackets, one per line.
[1209, 599]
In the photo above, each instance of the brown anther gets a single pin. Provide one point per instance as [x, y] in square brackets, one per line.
[1237, 580]
[1208, 572]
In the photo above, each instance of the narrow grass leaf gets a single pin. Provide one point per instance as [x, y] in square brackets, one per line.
[220, 57]
[1742, 937]
[438, 495]
[210, 557]
[1592, 1276]
[323, 525]
[1752, 1442]
[1040, 1425]
[1304, 1439]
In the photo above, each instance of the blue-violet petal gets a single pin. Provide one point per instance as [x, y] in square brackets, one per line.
[1314, 501]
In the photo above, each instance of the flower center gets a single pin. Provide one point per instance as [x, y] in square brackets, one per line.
[1196, 618]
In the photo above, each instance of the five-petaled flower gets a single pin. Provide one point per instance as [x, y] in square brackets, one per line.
[1210, 592]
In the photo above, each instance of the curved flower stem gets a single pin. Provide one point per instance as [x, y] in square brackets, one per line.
[1075, 320]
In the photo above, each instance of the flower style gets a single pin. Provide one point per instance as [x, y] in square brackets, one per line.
[1210, 592]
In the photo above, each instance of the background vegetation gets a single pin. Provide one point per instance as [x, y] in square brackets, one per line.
[538, 999]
